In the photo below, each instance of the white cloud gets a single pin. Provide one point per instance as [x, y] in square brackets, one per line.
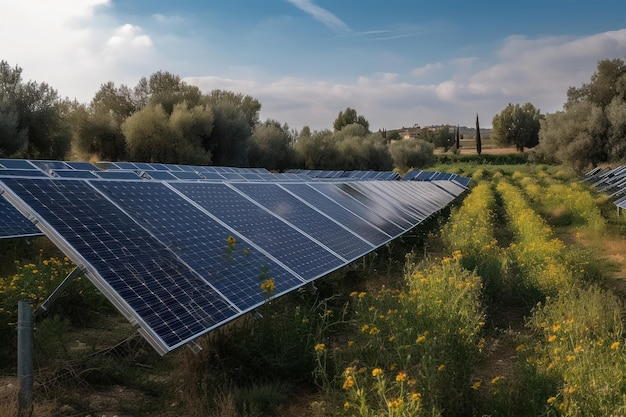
[73, 45]
[426, 69]
[528, 70]
[322, 15]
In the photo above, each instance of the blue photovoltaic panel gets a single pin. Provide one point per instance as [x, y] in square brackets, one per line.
[400, 200]
[143, 165]
[118, 174]
[251, 176]
[187, 175]
[16, 164]
[310, 221]
[85, 166]
[380, 205]
[22, 173]
[199, 241]
[106, 165]
[73, 173]
[331, 191]
[212, 176]
[340, 214]
[159, 167]
[232, 176]
[126, 165]
[126, 262]
[46, 166]
[159, 175]
[13, 223]
[280, 240]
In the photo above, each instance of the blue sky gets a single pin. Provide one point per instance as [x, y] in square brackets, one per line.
[397, 62]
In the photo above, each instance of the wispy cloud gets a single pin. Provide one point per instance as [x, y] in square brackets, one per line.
[322, 15]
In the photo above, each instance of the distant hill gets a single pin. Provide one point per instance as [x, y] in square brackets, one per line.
[464, 131]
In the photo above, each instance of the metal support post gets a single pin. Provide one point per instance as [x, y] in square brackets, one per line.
[25, 358]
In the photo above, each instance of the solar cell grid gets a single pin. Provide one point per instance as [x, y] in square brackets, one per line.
[297, 252]
[126, 262]
[46, 166]
[16, 164]
[13, 223]
[72, 173]
[339, 213]
[85, 166]
[381, 206]
[22, 173]
[200, 241]
[334, 193]
[307, 219]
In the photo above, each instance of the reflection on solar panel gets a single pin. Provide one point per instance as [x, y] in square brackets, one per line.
[16, 164]
[13, 224]
[310, 221]
[22, 173]
[72, 173]
[299, 253]
[180, 257]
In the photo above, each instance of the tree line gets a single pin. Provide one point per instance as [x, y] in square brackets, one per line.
[163, 119]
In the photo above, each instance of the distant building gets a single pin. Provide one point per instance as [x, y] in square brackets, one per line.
[410, 132]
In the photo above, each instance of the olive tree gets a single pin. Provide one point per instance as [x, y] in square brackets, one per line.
[412, 154]
[517, 125]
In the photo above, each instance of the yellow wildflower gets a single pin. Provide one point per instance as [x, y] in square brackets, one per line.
[416, 396]
[377, 372]
[268, 286]
[552, 338]
[320, 347]
[614, 345]
[349, 382]
[401, 377]
[374, 330]
[441, 367]
[551, 400]
[476, 385]
[420, 339]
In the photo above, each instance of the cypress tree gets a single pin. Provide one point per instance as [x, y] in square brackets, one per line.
[458, 138]
[478, 143]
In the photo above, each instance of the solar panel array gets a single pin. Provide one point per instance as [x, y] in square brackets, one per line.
[180, 254]
[611, 181]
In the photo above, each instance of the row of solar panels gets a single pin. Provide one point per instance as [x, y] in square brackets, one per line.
[611, 181]
[360, 175]
[161, 250]
[135, 170]
[415, 175]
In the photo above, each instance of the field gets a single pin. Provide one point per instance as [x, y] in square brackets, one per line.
[509, 303]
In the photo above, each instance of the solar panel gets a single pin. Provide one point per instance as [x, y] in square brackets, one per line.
[345, 200]
[159, 248]
[46, 166]
[138, 273]
[158, 175]
[118, 174]
[379, 205]
[307, 219]
[16, 164]
[85, 166]
[126, 165]
[200, 241]
[72, 173]
[299, 253]
[22, 173]
[13, 223]
[342, 215]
